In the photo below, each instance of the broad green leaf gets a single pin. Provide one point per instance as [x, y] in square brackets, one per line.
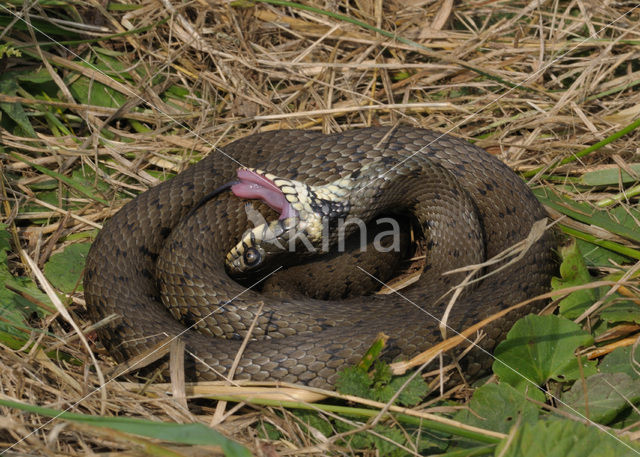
[195, 434]
[564, 438]
[622, 311]
[572, 371]
[498, 407]
[604, 395]
[620, 361]
[64, 269]
[536, 349]
[574, 272]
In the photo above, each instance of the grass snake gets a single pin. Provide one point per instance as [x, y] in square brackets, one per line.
[159, 263]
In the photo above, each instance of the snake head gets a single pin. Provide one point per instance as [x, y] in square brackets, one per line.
[304, 212]
[260, 246]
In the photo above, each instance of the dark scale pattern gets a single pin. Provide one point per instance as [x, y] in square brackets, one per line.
[473, 205]
[328, 208]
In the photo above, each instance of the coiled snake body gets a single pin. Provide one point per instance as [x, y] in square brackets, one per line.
[470, 205]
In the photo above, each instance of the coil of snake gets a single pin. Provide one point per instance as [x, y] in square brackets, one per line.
[163, 261]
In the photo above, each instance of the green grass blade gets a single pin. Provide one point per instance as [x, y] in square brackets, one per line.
[611, 138]
[612, 246]
[194, 434]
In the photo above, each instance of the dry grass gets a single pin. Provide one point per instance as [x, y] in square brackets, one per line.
[532, 82]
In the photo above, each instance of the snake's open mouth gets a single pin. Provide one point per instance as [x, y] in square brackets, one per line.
[255, 185]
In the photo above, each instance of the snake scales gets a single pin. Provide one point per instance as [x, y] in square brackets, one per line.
[303, 339]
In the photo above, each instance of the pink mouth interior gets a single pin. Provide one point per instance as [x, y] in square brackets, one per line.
[253, 185]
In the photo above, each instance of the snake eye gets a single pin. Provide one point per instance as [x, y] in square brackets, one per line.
[252, 257]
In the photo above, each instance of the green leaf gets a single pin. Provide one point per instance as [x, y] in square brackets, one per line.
[114, 64]
[610, 176]
[49, 184]
[613, 246]
[354, 381]
[64, 269]
[315, 420]
[381, 385]
[40, 76]
[5, 242]
[621, 221]
[564, 438]
[15, 111]
[91, 92]
[355, 440]
[605, 395]
[364, 440]
[572, 371]
[597, 256]
[620, 361]
[574, 272]
[85, 190]
[268, 431]
[15, 310]
[411, 395]
[630, 419]
[39, 25]
[622, 311]
[195, 434]
[386, 447]
[536, 349]
[373, 353]
[498, 407]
